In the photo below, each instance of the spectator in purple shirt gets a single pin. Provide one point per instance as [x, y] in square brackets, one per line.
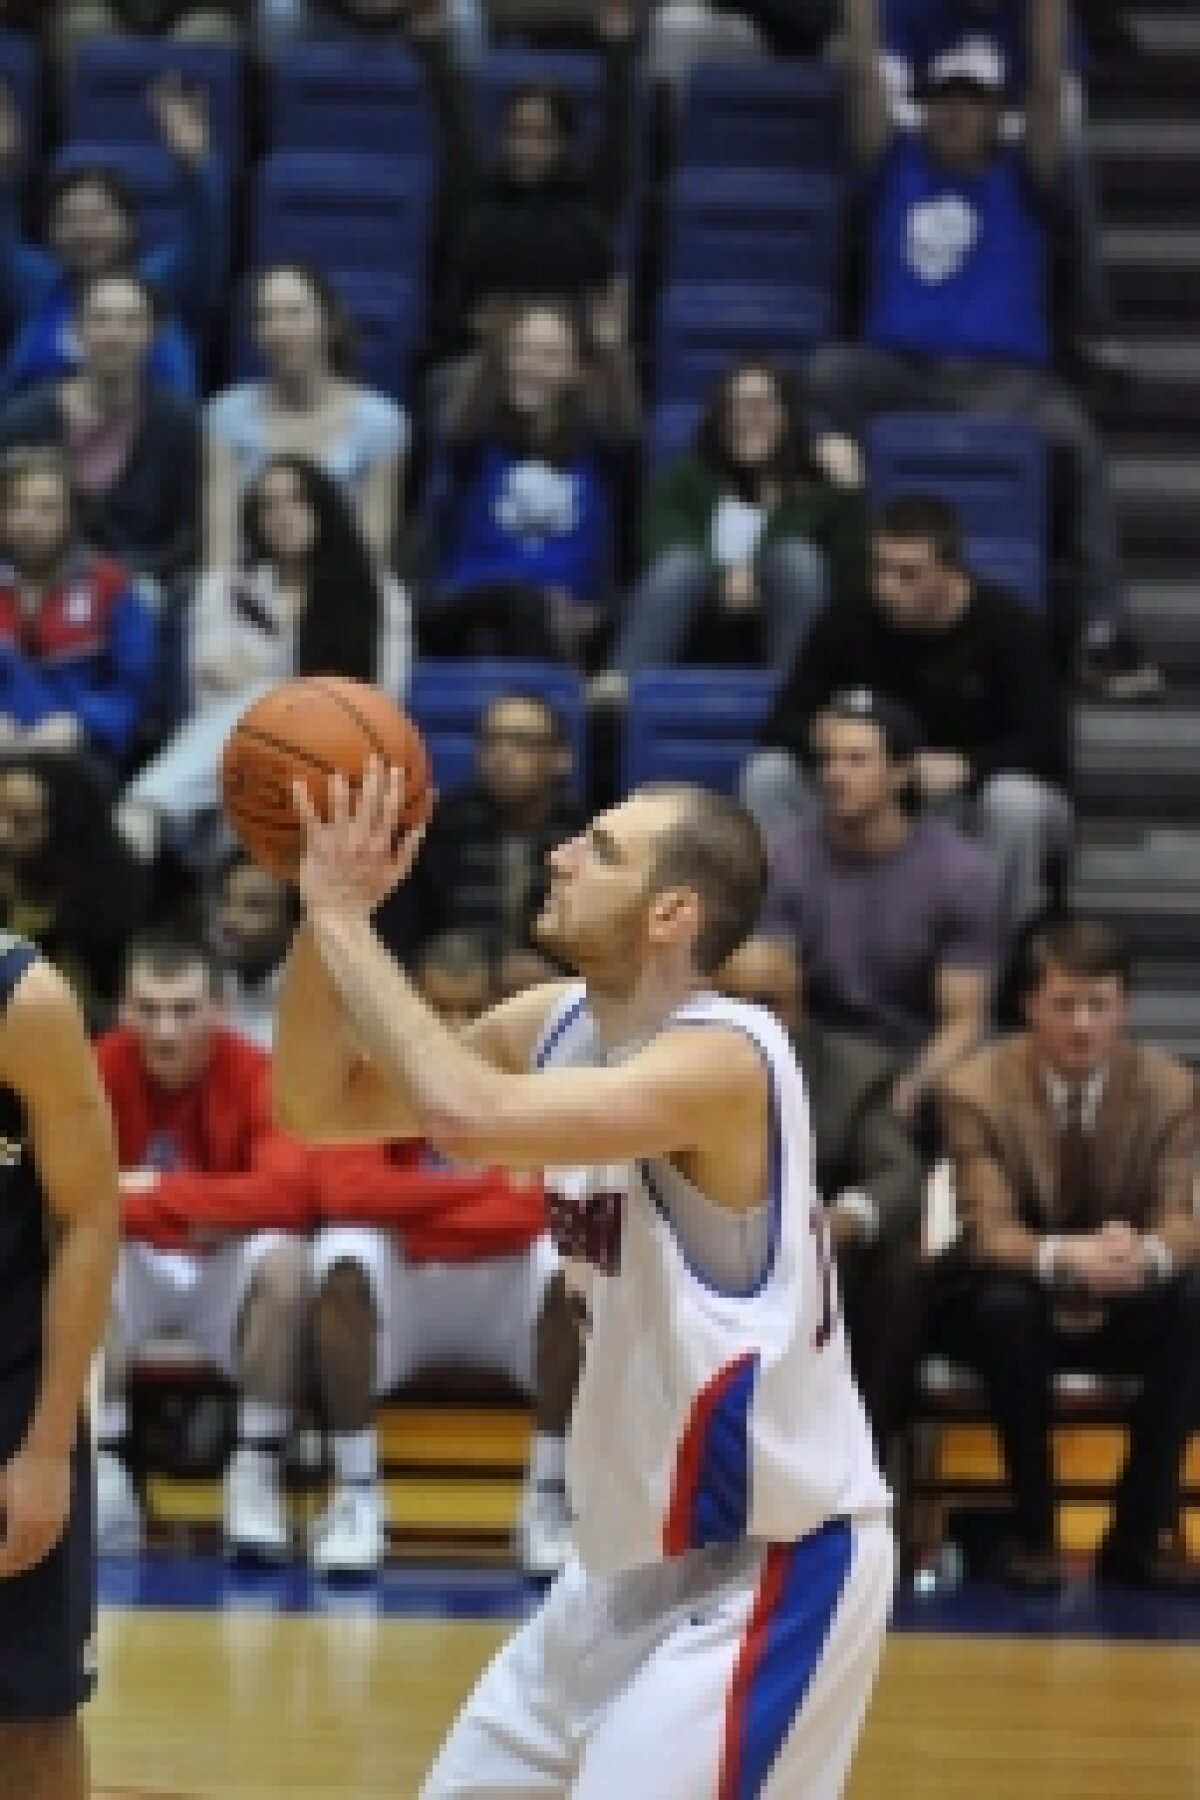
[892, 917]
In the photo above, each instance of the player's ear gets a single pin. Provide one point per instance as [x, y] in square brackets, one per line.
[674, 913]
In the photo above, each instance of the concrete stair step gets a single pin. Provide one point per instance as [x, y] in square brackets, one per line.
[1138, 761]
[1158, 497]
[1155, 272]
[1148, 169]
[1166, 615]
[1169, 1017]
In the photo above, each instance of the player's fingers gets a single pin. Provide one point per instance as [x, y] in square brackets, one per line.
[387, 819]
[339, 804]
[305, 810]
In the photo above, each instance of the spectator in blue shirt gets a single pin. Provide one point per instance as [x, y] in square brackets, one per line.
[525, 496]
[90, 229]
[916, 32]
[956, 316]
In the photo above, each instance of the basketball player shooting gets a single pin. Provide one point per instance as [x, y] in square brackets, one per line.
[718, 1630]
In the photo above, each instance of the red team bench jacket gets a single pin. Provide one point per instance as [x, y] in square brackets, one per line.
[223, 1164]
[441, 1213]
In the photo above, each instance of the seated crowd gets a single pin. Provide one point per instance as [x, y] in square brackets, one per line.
[202, 492]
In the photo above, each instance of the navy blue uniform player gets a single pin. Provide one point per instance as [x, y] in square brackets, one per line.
[58, 1242]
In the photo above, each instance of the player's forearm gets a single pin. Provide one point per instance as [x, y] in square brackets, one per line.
[451, 1090]
[79, 1298]
[315, 1050]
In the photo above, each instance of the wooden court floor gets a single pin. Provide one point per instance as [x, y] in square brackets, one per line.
[251, 1704]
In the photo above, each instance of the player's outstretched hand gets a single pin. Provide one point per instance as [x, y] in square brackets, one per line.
[353, 860]
[35, 1499]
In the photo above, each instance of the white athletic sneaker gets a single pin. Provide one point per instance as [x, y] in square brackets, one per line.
[349, 1537]
[255, 1522]
[118, 1510]
[544, 1528]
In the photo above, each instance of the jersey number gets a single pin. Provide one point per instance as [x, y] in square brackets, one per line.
[587, 1229]
[823, 1244]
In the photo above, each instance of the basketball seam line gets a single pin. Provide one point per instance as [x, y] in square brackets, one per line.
[290, 749]
[364, 725]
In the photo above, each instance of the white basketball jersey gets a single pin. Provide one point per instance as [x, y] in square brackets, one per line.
[704, 1416]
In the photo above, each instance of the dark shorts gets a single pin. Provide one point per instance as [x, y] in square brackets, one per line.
[48, 1615]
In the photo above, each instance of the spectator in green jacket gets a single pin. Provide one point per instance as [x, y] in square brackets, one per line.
[753, 520]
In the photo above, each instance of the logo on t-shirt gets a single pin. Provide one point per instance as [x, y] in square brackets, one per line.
[537, 501]
[941, 235]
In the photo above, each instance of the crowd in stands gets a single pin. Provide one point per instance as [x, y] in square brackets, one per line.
[539, 424]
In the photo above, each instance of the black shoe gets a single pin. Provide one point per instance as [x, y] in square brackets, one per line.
[1146, 1566]
[1116, 669]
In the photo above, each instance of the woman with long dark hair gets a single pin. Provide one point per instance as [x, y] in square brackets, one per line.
[306, 599]
[307, 404]
[747, 523]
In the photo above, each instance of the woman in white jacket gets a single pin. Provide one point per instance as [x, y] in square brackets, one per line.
[306, 600]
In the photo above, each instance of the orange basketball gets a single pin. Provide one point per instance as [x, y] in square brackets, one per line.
[310, 730]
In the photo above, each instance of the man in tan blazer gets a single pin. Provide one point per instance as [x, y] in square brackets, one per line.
[1073, 1159]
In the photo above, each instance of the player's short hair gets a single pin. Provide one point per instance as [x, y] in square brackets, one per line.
[168, 953]
[1077, 946]
[923, 519]
[716, 848]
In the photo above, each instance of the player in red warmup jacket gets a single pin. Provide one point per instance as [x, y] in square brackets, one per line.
[216, 1206]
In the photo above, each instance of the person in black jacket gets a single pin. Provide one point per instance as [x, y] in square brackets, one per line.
[482, 867]
[542, 219]
[972, 663]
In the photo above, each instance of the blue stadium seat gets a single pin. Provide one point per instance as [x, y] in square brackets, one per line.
[447, 698]
[578, 74]
[705, 326]
[762, 224]
[765, 115]
[994, 472]
[344, 97]
[671, 431]
[386, 313]
[19, 74]
[106, 96]
[150, 177]
[694, 724]
[342, 212]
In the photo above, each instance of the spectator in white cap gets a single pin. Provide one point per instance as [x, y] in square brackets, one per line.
[959, 235]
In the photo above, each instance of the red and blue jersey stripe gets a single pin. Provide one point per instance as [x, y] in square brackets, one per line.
[798, 1595]
[710, 1490]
